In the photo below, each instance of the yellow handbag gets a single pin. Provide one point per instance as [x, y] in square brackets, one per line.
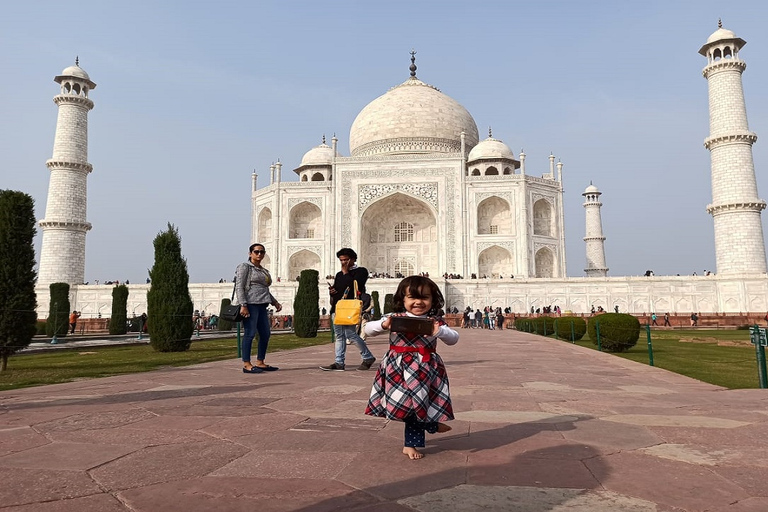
[348, 310]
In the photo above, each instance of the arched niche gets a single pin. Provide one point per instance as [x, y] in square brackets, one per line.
[305, 221]
[399, 227]
[265, 225]
[542, 218]
[494, 217]
[495, 261]
[302, 260]
[491, 171]
[318, 176]
[545, 263]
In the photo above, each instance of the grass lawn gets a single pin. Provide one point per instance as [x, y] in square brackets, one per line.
[698, 355]
[66, 365]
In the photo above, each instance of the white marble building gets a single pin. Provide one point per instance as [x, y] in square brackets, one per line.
[418, 193]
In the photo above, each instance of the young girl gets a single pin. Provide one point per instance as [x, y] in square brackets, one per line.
[411, 384]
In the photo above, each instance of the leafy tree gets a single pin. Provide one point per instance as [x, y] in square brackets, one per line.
[169, 305]
[389, 303]
[376, 308]
[18, 301]
[305, 313]
[119, 310]
[58, 311]
[224, 325]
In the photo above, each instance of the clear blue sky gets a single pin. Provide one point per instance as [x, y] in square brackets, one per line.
[193, 96]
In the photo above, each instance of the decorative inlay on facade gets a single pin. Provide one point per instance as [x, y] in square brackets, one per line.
[539, 245]
[426, 191]
[747, 137]
[451, 183]
[754, 206]
[481, 246]
[316, 249]
[407, 157]
[481, 196]
[408, 144]
[536, 197]
[297, 200]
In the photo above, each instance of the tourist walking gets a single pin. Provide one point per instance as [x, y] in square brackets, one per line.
[252, 283]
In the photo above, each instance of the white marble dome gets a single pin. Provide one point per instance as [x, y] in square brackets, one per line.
[75, 71]
[490, 149]
[591, 189]
[319, 155]
[413, 117]
[719, 34]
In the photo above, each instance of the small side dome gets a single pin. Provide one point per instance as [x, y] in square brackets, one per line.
[719, 34]
[75, 71]
[319, 155]
[490, 149]
[591, 189]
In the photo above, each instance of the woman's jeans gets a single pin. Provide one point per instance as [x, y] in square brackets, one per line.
[344, 332]
[256, 323]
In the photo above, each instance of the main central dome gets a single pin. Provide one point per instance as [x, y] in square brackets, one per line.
[413, 117]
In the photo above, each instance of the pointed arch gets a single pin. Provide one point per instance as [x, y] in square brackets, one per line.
[305, 221]
[265, 225]
[491, 171]
[495, 261]
[545, 263]
[542, 218]
[494, 217]
[302, 260]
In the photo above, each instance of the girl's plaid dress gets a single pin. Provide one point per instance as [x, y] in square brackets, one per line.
[411, 385]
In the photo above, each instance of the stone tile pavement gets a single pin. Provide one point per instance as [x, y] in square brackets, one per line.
[541, 425]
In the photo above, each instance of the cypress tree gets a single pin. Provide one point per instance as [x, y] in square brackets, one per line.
[376, 308]
[169, 305]
[17, 273]
[119, 310]
[305, 313]
[389, 303]
[224, 325]
[58, 311]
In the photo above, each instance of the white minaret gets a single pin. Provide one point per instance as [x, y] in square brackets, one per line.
[735, 208]
[62, 257]
[594, 233]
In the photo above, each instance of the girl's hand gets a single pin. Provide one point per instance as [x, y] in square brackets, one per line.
[385, 323]
[436, 328]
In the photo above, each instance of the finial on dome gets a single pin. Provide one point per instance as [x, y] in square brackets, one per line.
[77, 60]
[323, 138]
[719, 23]
[490, 133]
[413, 63]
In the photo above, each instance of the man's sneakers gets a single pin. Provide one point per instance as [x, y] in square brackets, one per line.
[335, 367]
[366, 364]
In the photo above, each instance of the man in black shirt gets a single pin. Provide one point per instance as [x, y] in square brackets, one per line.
[344, 287]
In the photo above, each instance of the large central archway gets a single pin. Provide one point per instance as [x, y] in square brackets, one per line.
[399, 232]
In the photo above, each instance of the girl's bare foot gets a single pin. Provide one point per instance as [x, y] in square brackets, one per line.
[442, 427]
[412, 453]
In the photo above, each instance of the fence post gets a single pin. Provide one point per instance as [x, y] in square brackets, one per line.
[597, 331]
[573, 333]
[650, 347]
[755, 338]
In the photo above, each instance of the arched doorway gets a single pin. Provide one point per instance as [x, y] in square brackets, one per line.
[399, 228]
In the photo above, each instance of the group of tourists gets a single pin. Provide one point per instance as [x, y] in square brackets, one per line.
[410, 385]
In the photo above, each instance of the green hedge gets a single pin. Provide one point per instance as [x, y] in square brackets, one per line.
[618, 331]
[570, 328]
[542, 325]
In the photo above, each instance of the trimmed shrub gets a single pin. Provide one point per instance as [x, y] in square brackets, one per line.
[17, 273]
[524, 324]
[40, 328]
[119, 309]
[376, 307]
[305, 314]
[618, 331]
[58, 316]
[169, 305]
[544, 325]
[224, 325]
[570, 328]
[389, 303]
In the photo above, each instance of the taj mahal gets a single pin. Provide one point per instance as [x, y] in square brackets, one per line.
[420, 191]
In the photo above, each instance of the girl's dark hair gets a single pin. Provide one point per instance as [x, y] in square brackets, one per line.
[250, 249]
[413, 286]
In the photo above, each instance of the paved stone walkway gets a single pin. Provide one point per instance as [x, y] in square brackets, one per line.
[541, 425]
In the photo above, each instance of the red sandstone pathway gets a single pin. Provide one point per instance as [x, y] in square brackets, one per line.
[541, 425]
